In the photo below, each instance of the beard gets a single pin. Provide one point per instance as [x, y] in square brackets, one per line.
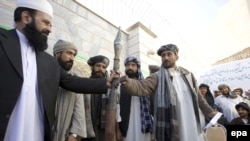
[131, 74]
[66, 65]
[36, 38]
[98, 74]
[168, 64]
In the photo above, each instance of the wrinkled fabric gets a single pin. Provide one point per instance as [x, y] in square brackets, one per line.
[70, 115]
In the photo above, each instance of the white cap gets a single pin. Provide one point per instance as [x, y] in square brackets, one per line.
[40, 5]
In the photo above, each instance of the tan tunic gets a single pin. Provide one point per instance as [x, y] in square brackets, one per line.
[70, 114]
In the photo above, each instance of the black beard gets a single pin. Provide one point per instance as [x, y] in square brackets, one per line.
[167, 65]
[65, 65]
[98, 74]
[36, 39]
[131, 74]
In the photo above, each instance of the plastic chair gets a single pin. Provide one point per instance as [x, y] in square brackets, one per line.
[216, 133]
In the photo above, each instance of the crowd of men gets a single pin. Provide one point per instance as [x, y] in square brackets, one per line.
[45, 98]
[227, 101]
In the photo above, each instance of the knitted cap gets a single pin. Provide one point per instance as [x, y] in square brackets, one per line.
[62, 45]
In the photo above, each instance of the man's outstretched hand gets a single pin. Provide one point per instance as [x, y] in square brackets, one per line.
[114, 76]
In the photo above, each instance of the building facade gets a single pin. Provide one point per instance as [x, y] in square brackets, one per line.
[91, 33]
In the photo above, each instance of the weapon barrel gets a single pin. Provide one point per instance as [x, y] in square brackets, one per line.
[112, 102]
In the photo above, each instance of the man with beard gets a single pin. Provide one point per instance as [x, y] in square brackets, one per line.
[227, 101]
[70, 122]
[136, 124]
[98, 103]
[208, 96]
[30, 77]
[177, 115]
[239, 91]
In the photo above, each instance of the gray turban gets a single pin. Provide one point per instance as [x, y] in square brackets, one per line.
[132, 59]
[62, 45]
[98, 59]
[221, 86]
[168, 47]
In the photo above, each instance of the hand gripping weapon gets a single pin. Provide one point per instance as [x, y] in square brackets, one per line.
[112, 102]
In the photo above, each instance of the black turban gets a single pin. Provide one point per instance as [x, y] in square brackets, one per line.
[168, 47]
[98, 59]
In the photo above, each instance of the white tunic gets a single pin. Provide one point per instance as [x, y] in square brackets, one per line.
[228, 106]
[26, 120]
[134, 128]
[185, 110]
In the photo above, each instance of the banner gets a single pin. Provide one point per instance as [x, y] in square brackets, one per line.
[235, 74]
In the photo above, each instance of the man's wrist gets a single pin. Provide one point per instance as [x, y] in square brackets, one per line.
[74, 135]
[124, 79]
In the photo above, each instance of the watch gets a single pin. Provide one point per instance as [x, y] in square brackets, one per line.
[74, 135]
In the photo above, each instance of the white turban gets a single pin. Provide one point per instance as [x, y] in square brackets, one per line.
[40, 5]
